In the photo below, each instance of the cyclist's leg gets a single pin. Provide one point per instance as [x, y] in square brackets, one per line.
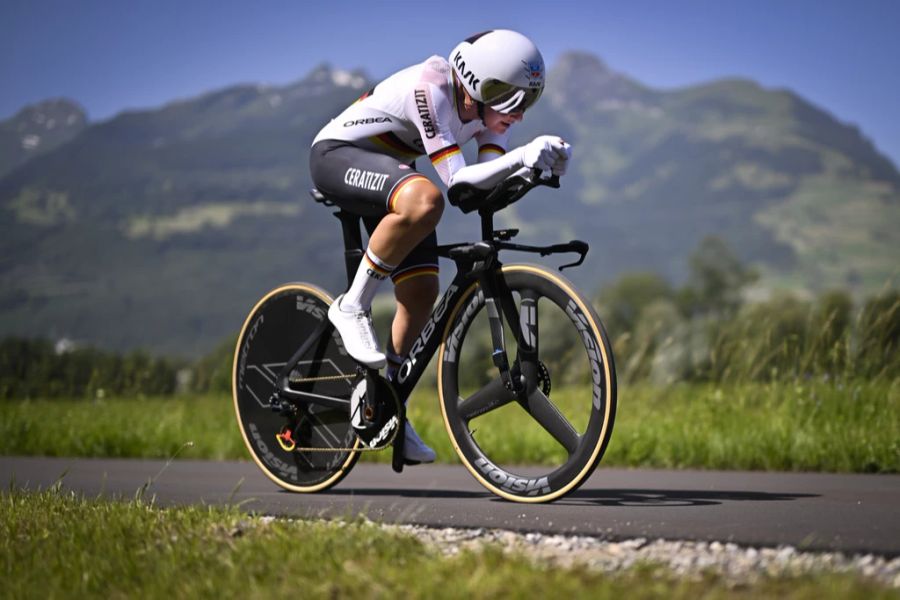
[416, 287]
[372, 185]
[375, 185]
[414, 208]
[378, 186]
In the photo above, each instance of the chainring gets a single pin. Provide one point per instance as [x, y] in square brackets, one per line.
[375, 412]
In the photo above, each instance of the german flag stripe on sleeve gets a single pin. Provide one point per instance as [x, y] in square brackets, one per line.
[492, 149]
[392, 197]
[415, 272]
[366, 95]
[443, 153]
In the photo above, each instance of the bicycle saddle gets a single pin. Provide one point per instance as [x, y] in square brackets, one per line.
[318, 196]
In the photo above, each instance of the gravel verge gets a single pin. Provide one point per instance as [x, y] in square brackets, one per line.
[736, 564]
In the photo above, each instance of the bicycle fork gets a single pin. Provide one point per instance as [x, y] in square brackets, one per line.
[515, 378]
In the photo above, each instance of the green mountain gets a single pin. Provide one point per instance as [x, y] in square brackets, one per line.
[160, 228]
[792, 189]
[36, 129]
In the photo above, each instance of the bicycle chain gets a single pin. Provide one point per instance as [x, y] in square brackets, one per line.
[322, 378]
[362, 447]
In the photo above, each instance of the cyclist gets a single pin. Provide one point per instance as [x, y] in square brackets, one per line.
[365, 160]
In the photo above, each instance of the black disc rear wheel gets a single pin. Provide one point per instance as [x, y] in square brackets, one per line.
[276, 327]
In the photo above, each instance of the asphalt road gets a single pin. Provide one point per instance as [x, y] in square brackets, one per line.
[850, 513]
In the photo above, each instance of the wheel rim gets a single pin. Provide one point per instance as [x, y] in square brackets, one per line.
[470, 430]
[268, 338]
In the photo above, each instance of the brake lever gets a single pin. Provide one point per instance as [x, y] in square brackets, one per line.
[581, 248]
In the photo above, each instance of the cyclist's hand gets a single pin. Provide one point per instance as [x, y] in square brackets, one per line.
[561, 164]
[543, 152]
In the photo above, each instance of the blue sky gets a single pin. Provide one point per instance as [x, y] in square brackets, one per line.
[115, 55]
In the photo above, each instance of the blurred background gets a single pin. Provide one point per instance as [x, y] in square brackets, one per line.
[735, 173]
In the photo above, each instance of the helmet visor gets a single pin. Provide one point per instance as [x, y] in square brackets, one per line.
[507, 98]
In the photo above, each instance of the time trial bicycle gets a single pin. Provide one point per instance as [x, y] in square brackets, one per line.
[517, 344]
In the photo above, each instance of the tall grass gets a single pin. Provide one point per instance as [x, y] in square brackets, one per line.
[812, 425]
[788, 339]
[783, 339]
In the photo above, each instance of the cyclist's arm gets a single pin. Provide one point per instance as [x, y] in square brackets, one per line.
[491, 145]
[431, 113]
[486, 175]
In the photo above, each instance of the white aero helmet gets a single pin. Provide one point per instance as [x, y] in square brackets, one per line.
[500, 68]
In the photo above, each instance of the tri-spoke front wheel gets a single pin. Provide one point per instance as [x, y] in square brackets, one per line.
[563, 421]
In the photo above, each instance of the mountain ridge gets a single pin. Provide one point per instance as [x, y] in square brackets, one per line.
[148, 212]
[38, 128]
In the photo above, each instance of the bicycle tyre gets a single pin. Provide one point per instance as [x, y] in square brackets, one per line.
[273, 331]
[556, 302]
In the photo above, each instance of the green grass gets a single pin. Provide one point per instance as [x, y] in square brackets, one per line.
[153, 427]
[791, 427]
[56, 544]
[812, 426]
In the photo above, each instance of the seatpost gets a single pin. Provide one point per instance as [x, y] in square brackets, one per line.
[487, 225]
[353, 248]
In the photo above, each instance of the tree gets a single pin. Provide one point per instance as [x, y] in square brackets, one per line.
[621, 303]
[716, 279]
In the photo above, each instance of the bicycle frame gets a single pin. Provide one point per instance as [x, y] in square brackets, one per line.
[475, 262]
[320, 385]
[479, 263]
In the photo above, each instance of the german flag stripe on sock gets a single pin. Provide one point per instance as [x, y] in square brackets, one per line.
[414, 272]
[443, 154]
[392, 197]
[376, 267]
[491, 149]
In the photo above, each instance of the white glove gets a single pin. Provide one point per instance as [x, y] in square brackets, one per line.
[544, 152]
[559, 168]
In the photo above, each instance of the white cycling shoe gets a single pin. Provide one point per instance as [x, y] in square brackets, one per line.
[414, 449]
[357, 333]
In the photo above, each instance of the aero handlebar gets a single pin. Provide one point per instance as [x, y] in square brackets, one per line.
[468, 198]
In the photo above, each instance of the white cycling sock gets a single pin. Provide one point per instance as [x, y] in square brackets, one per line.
[371, 272]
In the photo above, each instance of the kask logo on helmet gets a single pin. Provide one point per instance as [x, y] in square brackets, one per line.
[463, 74]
